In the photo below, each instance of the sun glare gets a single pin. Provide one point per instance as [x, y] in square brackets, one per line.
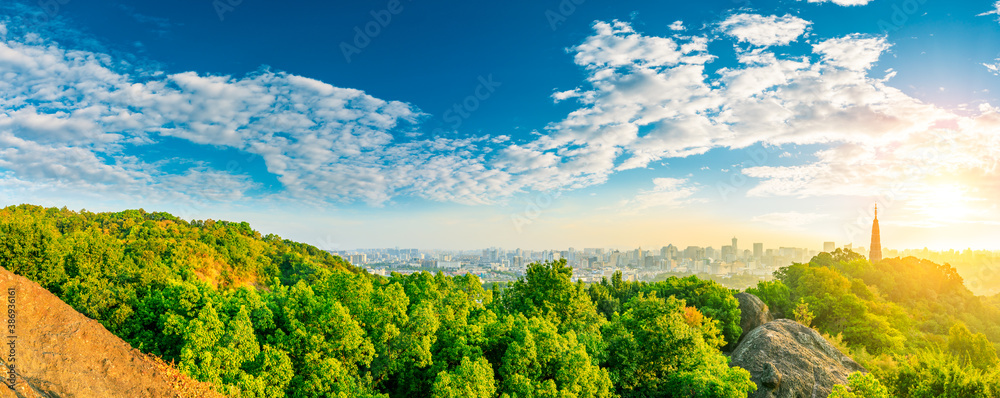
[943, 203]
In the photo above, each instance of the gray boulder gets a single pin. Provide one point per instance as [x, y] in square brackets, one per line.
[789, 360]
[753, 313]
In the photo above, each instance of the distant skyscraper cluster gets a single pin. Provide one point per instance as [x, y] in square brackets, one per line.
[592, 264]
[589, 264]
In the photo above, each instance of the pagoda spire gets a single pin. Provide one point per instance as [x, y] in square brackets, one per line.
[875, 252]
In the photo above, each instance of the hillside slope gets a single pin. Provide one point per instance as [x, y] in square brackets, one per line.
[58, 352]
[183, 291]
[913, 323]
[263, 317]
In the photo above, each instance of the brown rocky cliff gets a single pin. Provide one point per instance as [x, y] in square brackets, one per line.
[59, 352]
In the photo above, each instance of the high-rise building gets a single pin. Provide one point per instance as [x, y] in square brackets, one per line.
[671, 251]
[875, 255]
[736, 249]
[829, 247]
[758, 250]
[728, 254]
[694, 253]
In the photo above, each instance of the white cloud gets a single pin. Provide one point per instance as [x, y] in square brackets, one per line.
[792, 220]
[766, 99]
[994, 68]
[323, 143]
[617, 44]
[845, 3]
[677, 25]
[994, 11]
[69, 119]
[564, 95]
[918, 172]
[764, 31]
[873, 133]
[856, 52]
[666, 192]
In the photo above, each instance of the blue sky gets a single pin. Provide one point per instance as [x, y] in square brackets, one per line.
[542, 124]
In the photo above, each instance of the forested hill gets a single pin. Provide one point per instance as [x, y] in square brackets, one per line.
[104, 263]
[221, 253]
[911, 322]
[265, 317]
[259, 316]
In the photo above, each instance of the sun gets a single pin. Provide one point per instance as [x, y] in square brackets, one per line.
[945, 203]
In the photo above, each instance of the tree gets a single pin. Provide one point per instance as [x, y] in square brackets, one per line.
[329, 345]
[710, 298]
[802, 313]
[860, 385]
[939, 374]
[776, 295]
[539, 361]
[654, 351]
[972, 349]
[472, 379]
[268, 375]
[198, 357]
[547, 291]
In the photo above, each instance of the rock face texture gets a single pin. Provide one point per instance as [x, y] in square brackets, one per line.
[753, 313]
[58, 352]
[789, 360]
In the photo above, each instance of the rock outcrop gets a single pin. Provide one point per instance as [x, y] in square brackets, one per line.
[58, 352]
[787, 359]
[753, 313]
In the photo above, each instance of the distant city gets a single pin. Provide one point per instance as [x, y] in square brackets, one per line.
[593, 264]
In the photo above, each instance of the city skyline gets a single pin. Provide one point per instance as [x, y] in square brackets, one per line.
[519, 124]
[581, 248]
[592, 264]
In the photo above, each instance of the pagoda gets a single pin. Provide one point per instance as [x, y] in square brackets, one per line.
[875, 253]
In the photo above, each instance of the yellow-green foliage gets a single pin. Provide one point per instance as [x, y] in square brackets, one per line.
[860, 385]
[259, 316]
[911, 322]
